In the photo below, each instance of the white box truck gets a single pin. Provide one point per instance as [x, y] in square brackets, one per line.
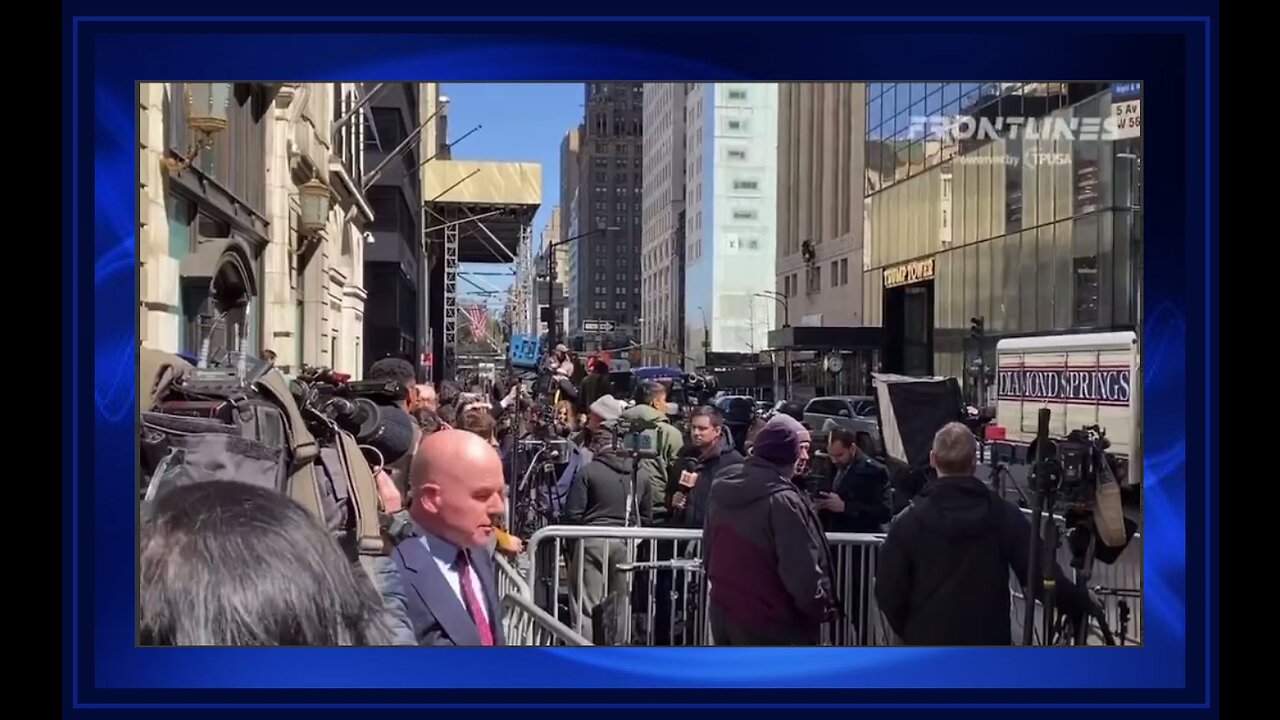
[1084, 379]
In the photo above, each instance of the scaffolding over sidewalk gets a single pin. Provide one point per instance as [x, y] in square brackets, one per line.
[476, 212]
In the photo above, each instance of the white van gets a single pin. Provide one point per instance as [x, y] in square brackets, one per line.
[1086, 379]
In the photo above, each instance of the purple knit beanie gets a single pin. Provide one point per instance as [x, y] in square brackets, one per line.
[779, 440]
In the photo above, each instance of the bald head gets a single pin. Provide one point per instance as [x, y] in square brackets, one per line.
[457, 485]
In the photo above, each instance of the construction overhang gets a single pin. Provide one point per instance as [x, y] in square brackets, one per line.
[490, 203]
[825, 339]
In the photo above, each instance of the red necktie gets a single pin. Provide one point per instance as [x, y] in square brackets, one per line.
[471, 601]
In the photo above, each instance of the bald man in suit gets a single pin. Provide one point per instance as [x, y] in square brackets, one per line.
[457, 489]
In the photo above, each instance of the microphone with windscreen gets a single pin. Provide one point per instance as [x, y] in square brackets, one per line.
[1114, 529]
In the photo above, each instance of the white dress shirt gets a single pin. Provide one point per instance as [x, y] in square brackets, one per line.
[445, 554]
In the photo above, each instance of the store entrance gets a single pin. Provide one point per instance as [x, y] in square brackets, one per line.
[908, 325]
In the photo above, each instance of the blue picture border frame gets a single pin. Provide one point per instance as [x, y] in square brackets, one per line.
[1175, 57]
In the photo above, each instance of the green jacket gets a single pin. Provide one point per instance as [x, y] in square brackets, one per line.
[668, 443]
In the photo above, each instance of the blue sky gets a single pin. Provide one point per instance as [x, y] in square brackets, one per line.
[522, 122]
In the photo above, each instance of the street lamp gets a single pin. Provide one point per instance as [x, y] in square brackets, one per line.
[552, 335]
[781, 299]
[314, 197]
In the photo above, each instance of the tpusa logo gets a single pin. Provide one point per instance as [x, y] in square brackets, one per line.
[965, 127]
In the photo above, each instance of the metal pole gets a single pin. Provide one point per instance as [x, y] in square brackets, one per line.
[365, 99]
[786, 322]
[551, 294]
[414, 137]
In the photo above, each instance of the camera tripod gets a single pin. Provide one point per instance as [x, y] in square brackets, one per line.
[534, 500]
[1047, 482]
[1046, 539]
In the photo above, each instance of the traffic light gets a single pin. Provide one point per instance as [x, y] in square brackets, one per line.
[977, 327]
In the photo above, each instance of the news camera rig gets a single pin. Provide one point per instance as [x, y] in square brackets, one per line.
[633, 438]
[370, 410]
[538, 463]
[1077, 478]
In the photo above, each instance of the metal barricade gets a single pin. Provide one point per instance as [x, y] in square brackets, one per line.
[860, 622]
[646, 586]
[509, 580]
[526, 624]
[588, 576]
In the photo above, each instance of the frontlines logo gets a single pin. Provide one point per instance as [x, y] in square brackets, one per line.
[965, 127]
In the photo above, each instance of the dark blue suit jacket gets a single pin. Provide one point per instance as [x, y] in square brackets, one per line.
[437, 614]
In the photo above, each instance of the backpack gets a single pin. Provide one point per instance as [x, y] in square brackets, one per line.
[204, 424]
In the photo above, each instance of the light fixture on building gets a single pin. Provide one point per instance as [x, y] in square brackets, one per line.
[315, 198]
[207, 105]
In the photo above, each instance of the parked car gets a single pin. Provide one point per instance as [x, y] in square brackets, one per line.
[859, 413]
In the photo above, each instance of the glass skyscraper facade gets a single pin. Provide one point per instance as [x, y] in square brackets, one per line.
[968, 214]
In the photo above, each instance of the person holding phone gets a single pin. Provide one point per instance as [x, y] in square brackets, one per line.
[859, 500]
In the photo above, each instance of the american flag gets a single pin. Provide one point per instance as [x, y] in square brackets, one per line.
[478, 320]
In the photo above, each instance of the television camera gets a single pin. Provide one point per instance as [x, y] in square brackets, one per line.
[636, 440]
[539, 464]
[370, 410]
[1078, 478]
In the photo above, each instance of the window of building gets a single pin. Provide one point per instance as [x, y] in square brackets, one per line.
[835, 273]
[383, 200]
[601, 123]
[745, 185]
[181, 215]
[745, 215]
[1085, 269]
[388, 130]
[602, 148]
[844, 271]
[736, 154]
[737, 94]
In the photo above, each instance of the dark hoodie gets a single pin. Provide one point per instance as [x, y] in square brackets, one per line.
[598, 495]
[766, 557]
[943, 571]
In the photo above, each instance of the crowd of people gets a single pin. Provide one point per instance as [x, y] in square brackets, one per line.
[228, 563]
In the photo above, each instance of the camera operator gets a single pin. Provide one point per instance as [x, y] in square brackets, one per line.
[562, 369]
[651, 407]
[943, 570]
[392, 480]
[401, 371]
[600, 496]
[597, 384]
